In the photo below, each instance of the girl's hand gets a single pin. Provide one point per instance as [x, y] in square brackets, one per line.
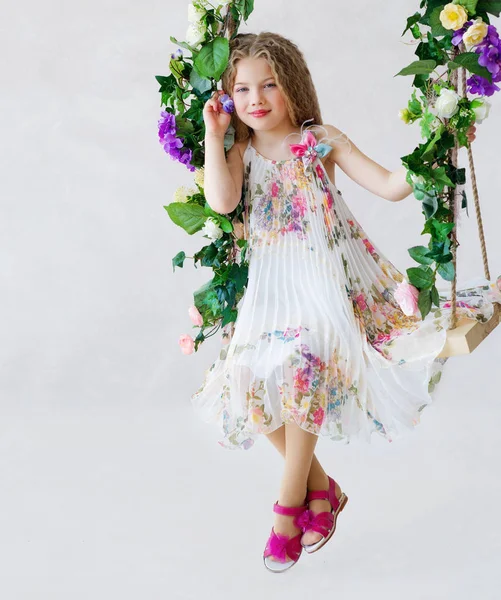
[470, 133]
[215, 118]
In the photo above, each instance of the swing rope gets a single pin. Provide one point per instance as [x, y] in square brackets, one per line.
[459, 82]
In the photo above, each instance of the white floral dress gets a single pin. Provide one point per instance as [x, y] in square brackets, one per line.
[319, 339]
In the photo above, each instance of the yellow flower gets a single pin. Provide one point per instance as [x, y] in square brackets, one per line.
[453, 16]
[199, 177]
[182, 193]
[475, 34]
[405, 115]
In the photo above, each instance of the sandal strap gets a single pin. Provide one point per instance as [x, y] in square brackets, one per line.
[289, 511]
[329, 495]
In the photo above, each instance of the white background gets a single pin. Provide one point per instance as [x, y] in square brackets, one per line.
[110, 487]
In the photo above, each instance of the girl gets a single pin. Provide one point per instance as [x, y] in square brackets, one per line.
[318, 346]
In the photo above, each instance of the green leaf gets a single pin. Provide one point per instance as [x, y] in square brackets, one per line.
[178, 260]
[418, 254]
[200, 84]
[414, 105]
[182, 44]
[427, 119]
[469, 60]
[442, 230]
[430, 205]
[212, 59]
[245, 7]
[225, 224]
[493, 7]
[441, 179]
[446, 271]
[435, 297]
[469, 5]
[418, 67]
[437, 29]
[411, 21]
[421, 278]
[424, 302]
[191, 217]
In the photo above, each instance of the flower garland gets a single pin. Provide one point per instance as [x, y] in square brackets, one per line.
[192, 81]
[450, 38]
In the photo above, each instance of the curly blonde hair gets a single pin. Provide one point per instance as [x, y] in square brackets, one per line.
[289, 68]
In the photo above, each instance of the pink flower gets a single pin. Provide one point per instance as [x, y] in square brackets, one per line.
[318, 416]
[369, 246]
[187, 344]
[302, 381]
[407, 297]
[320, 172]
[195, 316]
[274, 189]
[360, 300]
[330, 199]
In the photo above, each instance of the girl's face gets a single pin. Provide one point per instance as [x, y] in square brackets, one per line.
[255, 89]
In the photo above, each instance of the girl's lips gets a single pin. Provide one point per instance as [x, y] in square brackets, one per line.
[261, 113]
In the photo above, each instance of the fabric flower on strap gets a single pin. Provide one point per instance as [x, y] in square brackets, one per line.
[309, 149]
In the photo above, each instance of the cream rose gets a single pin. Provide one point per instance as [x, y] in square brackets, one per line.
[212, 230]
[481, 108]
[446, 104]
[475, 34]
[453, 16]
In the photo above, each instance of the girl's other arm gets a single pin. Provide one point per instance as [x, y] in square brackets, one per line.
[390, 185]
[363, 170]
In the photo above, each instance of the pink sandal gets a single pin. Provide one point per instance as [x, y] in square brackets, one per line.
[280, 546]
[325, 522]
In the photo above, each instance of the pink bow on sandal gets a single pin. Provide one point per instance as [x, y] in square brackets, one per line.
[283, 549]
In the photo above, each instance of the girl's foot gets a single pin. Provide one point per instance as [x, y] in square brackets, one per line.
[284, 525]
[319, 506]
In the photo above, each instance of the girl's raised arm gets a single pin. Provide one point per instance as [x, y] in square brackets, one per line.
[366, 172]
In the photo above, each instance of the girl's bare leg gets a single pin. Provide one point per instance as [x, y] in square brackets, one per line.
[299, 446]
[317, 480]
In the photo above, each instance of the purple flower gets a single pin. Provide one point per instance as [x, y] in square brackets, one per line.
[227, 102]
[490, 58]
[172, 144]
[481, 86]
[457, 38]
[177, 54]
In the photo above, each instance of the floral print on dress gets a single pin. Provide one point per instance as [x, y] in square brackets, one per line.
[320, 340]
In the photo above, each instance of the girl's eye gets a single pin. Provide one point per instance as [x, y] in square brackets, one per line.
[244, 88]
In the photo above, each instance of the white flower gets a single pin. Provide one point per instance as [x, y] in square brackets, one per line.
[481, 108]
[212, 230]
[182, 193]
[199, 176]
[195, 34]
[195, 13]
[447, 103]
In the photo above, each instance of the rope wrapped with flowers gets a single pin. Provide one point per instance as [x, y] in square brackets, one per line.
[192, 81]
[456, 38]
